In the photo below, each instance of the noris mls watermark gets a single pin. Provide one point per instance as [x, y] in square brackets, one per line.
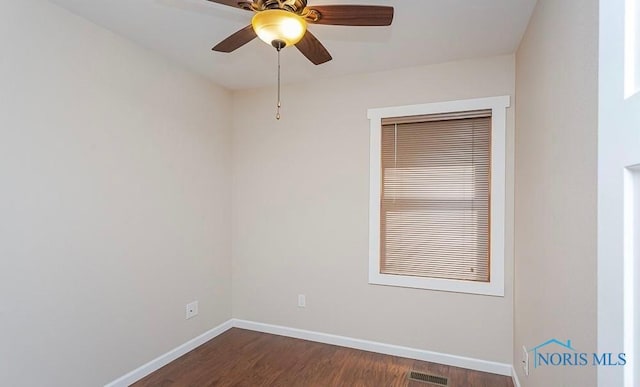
[555, 353]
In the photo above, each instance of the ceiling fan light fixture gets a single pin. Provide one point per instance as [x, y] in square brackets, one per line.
[278, 25]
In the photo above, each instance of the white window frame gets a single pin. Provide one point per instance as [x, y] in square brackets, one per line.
[498, 106]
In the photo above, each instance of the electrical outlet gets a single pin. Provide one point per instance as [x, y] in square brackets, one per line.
[192, 309]
[302, 301]
[525, 360]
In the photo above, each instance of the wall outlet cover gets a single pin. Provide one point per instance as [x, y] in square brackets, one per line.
[192, 309]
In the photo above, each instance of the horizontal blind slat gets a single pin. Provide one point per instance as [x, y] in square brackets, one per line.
[437, 117]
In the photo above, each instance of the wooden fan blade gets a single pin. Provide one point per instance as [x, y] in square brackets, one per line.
[233, 3]
[353, 15]
[236, 40]
[311, 47]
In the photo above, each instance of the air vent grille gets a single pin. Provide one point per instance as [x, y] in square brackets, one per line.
[427, 378]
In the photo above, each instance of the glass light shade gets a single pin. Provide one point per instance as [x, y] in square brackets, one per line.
[276, 24]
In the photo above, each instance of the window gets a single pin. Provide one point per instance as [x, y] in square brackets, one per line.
[437, 196]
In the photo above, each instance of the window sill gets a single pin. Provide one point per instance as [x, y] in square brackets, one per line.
[471, 287]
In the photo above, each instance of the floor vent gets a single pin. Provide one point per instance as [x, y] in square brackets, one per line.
[427, 378]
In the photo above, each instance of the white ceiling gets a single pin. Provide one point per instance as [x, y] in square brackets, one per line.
[423, 32]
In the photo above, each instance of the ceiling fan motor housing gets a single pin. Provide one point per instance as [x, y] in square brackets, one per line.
[295, 6]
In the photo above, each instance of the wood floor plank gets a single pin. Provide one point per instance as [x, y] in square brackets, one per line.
[242, 358]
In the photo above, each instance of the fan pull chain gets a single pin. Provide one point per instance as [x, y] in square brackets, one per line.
[279, 104]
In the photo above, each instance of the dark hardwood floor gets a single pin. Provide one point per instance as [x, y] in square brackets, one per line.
[245, 358]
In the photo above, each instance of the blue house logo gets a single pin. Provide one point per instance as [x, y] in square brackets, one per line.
[554, 352]
[546, 358]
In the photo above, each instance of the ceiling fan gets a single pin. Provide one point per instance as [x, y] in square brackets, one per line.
[283, 23]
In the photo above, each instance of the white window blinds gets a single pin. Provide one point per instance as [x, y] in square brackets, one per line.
[435, 195]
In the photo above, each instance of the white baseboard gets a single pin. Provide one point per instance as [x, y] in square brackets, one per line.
[326, 338]
[372, 346]
[514, 376]
[161, 361]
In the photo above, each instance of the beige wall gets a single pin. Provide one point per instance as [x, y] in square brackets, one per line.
[556, 166]
[300, 213]
[114, 206]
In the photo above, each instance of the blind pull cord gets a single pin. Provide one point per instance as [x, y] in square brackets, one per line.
[395, 159]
